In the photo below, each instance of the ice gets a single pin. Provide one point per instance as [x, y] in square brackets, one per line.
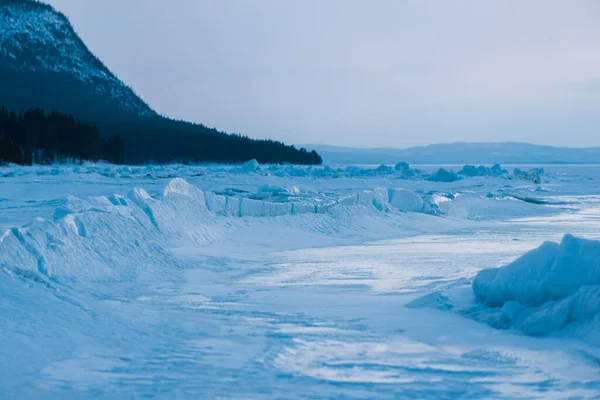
[435, 300]
[302, 208]
[534, 174]
[232, 206]
[381, 199]
[276, 209]
[215, 202]
[275, 190]
[384, 169]
[179, 186]
[251, 208]
[576, 315]
[406, 200]
[251, 166]
[553, 290]
[402, 167]
[400, 171]
[482, 170]
[443, 175]
[551, 272]
[344, 282]
[261, 195]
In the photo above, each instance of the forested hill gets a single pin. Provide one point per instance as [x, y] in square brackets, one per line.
[38, 137]
[45, 65]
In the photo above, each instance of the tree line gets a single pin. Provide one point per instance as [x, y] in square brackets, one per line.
[43, 138]
[119, 126]
[162, 140]
[35, 136]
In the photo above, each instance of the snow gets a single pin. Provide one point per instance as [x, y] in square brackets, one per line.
[27, 25]
[294, 281]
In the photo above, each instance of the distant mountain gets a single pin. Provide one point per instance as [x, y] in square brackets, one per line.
[462, 153]
[45, 65]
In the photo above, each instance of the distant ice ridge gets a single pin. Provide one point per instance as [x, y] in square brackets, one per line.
[402, 171]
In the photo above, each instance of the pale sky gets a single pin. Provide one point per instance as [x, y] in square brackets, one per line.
[366, 73]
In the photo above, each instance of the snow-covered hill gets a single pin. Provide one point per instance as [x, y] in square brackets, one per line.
[37, 43]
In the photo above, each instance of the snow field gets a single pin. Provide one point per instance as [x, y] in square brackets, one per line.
[188, 287]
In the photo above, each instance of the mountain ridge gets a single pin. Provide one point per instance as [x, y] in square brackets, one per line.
[461, 153]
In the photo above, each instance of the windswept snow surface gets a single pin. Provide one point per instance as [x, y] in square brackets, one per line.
[261, 281]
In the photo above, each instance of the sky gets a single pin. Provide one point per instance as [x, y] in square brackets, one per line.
[378, 73]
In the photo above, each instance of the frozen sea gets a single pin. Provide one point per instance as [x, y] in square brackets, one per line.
[283, 282]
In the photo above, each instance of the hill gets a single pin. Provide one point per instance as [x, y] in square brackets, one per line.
[462, 153]
[45, 65]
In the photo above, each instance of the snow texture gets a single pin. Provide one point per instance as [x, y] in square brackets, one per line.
[289, 281]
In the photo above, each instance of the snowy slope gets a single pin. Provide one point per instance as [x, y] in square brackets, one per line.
[35, 38]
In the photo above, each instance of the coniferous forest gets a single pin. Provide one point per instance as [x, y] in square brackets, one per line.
[35, 136]
[45, 66]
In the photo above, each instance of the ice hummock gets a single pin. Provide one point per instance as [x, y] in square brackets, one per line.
[251, 166]
[482, 170]
[550, 272]
[406, 200]
[549, 289]
[443, 175]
